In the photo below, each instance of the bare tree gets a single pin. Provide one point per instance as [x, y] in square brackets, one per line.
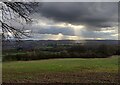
[19, 11]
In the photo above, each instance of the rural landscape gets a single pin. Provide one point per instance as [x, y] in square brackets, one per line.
[61, 62]
[60, 43]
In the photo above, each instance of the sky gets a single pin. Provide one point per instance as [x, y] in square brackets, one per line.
[74, 21]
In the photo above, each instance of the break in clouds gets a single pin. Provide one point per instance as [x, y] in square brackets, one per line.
[75, 20]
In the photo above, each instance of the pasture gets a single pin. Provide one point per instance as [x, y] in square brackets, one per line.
[65, 70]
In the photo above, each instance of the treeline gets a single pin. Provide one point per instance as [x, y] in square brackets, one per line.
[69, 51]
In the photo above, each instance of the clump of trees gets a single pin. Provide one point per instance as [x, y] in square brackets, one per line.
[75, 51]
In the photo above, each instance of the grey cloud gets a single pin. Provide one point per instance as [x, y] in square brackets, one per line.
[52, 30]
[93, 34]
[93, 14]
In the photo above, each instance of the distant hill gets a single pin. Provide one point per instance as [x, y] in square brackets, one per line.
[32, 44]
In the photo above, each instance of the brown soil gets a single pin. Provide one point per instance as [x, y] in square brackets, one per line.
[62, 77]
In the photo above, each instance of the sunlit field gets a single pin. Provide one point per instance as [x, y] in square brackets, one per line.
[66, 70]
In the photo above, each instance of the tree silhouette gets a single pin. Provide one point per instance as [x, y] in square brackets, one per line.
[19, 12]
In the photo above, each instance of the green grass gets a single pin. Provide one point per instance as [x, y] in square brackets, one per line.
[70, 64]
[32, 68]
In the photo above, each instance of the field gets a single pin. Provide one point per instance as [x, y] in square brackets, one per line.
[66, 70]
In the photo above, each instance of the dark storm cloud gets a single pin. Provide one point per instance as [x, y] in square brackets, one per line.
[92, 14]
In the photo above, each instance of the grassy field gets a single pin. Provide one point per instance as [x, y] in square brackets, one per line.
[68, 70]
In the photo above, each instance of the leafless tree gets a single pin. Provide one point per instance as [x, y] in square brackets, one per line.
[19, 11]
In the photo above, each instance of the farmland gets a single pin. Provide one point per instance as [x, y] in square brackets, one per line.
[64, 70]
[60, 62]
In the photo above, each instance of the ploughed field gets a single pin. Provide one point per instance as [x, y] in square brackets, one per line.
[66, 70]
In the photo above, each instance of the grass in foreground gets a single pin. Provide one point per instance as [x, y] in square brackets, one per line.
[68, 70]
